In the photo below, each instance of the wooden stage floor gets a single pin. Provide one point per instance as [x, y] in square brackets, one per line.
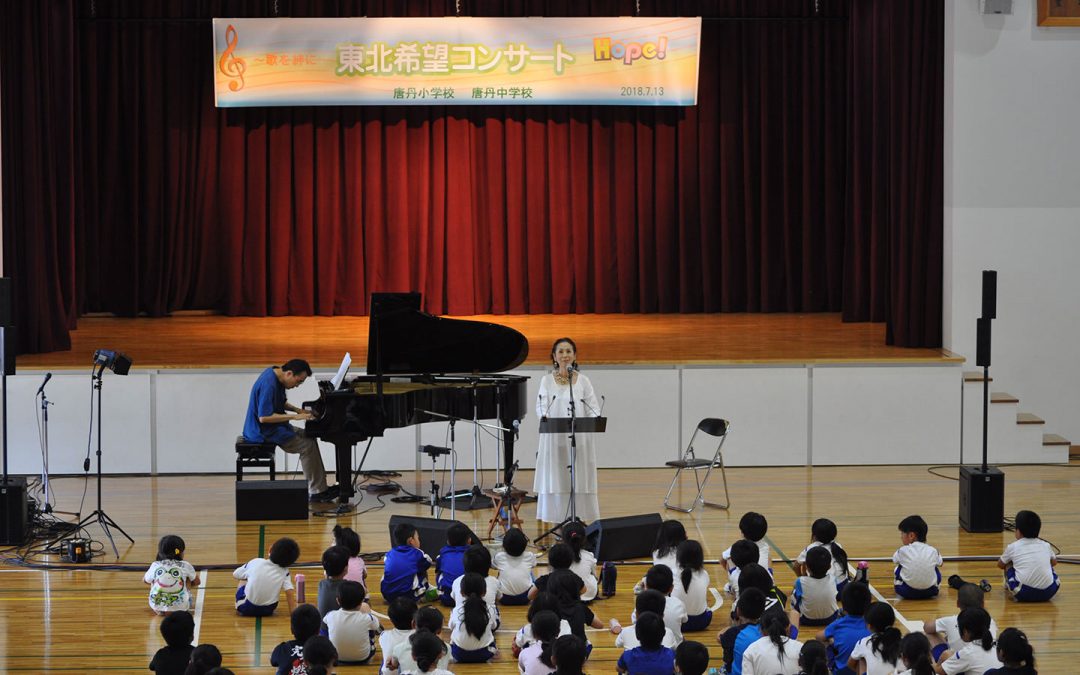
[214, 341]
[82, 620]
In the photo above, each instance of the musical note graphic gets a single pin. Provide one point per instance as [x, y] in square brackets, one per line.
[230, 65]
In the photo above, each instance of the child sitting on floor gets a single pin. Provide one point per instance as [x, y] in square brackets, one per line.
[428, 620]
[1014, 650]
[352, 628]
[477, 560]
[844, 633]
[823, 535]
[743, 552]
[405, 567]
[540, 603]
[448, 564]
[691, 658]
[515, 565]
[660, 578]
[402, 614]
[536, 658]
[879, 652]
[647, 601]
[171, 578]
[347, 537]
[918, 573]
[262, 580]
[1029, 562]
[978, 655]
[754, 527]
[813, 601]
[651, 657]
[178, 630]
[944, 633]
[427, 653]
[472, 624]
[335, 562]
[288, 656]
[692, 586]
[584, 564]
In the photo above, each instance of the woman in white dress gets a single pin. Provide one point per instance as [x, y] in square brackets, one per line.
[552, 480]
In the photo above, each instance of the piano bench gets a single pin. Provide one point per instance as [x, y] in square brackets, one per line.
[253, 454]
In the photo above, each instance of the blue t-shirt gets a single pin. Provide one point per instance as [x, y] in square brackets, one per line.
[845, 633]
[641, 661]
[449, 565]
[402, 570]
[747, 636]
[267, 398]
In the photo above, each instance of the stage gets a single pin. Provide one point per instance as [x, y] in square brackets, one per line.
[203, 341]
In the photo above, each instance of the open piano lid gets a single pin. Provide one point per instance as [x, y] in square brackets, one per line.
[409, 341]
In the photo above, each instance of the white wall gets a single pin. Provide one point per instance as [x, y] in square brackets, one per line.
[1012, 202]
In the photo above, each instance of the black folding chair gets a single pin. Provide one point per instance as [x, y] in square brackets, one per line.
[718, 429]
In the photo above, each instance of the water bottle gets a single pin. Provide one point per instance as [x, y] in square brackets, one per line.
[608, 575]
[862, 572]
[299, 588]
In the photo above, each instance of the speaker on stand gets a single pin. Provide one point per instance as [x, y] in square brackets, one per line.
[982, 488]
[13, 505]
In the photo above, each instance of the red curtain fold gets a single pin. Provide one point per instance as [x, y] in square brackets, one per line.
[804, 180]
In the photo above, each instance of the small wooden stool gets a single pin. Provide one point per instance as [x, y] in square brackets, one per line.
[511, 501]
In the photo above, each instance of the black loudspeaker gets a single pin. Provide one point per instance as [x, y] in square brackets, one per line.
[272, 500]
[13, 510]
[982, 342]
[7, 307]
[432, 532]
[989, 290]
[622, 538]
[982, 499]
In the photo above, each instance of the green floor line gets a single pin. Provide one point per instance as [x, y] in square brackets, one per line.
[783, 556]
[258, 619]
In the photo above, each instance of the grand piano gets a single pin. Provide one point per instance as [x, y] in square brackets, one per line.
[419, 364]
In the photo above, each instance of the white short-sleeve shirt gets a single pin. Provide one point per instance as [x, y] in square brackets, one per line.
[762, 657]
[461, 637]
[763, 555]
[696, 597]
[350, 631]
[627, 639]
[875, 665]
[515, 572]
[490, 595]
[265, 581]
[918, 563]
[947, 627]
[838, 572]
[1031, 560]
[971, 660]
[586, 571]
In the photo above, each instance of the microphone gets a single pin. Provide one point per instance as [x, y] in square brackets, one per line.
[603, 401]
[517, 428]
[48, 376]
[571, 368]
[591, 409]
[550, 403]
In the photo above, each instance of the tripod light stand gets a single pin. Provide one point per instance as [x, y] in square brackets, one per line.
[119, 364]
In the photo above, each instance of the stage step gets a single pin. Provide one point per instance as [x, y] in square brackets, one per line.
[1029, 418]
[1074, 451]
[974, 376]
[1054, 439]
[1002, 397]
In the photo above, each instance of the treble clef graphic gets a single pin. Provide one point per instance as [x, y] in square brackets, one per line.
[230, 65]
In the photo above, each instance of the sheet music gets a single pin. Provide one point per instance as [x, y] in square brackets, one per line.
[339, 377]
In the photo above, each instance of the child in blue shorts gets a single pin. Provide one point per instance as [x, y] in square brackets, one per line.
[1029, 562]
[262, 580]
[405, 567]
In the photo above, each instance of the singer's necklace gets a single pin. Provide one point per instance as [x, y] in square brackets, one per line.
[561, 379]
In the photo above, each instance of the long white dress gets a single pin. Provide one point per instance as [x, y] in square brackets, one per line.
[552, 480]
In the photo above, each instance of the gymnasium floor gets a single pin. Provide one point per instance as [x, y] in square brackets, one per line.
[78, 619]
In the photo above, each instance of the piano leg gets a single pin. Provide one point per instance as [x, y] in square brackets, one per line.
[343, 460]
[508, 452]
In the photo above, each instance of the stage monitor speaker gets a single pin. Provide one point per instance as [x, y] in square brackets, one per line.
[272, 500]
[622, 538]
[13, 510]
[432, 532]
[982, 499]
[982, 343]
[7, 306]
[989, 294]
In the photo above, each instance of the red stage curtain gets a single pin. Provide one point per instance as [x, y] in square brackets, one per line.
[755, 200]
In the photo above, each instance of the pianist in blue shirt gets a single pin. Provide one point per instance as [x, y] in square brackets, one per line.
[268, 420]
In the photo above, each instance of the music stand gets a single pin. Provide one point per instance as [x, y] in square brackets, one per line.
[571, 426]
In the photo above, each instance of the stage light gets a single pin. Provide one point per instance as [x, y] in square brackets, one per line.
[118, 362]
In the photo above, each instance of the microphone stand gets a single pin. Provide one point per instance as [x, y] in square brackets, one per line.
[45, 403]
[451, 493]
[572, 517]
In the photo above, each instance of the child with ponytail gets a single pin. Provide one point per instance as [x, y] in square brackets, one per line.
[1014, 650]
[775, 653]
[427, 650]
[472, 624]
[879, 652]
[584, 564]
[979, 655]
[536, 658]
[823, 534]
[171, 578]
[915, 655]
[692, 585]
